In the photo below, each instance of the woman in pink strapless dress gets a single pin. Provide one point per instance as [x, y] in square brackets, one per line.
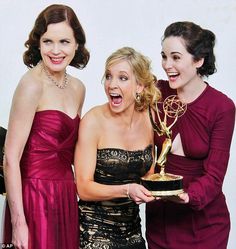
[42, 209]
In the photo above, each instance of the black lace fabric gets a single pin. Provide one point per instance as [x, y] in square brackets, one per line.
[115, 223]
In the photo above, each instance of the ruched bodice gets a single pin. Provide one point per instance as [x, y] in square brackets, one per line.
[117, 221]
[49, 150]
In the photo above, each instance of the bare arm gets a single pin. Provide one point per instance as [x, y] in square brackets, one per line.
[80, 95]
[23, 108]
[85, 163]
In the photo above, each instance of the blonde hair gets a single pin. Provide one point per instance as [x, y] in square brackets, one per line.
[141, 66]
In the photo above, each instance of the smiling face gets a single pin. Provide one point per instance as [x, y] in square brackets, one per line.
[121, 86]
[57, 46]
[178, 63]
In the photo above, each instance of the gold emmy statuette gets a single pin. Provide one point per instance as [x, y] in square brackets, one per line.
[165, 184]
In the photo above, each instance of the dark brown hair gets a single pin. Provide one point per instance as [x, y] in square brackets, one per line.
[54, 14]
[199, 42]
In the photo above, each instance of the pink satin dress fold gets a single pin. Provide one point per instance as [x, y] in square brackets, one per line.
[48, 187]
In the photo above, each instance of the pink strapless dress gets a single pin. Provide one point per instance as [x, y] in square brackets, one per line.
[49, 191]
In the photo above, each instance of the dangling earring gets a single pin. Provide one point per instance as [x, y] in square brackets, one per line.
[138, 98]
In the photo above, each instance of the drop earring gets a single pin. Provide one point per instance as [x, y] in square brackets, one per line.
[138, 98]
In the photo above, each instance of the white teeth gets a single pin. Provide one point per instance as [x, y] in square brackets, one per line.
[172, 74]
[56, 59]
[114, 94]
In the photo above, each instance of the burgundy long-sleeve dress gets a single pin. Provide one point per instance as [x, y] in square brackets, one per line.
[206, 132]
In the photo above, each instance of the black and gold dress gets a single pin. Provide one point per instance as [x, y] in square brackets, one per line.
[115, 223]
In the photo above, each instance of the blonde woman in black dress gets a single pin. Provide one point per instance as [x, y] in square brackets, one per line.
[114, 150]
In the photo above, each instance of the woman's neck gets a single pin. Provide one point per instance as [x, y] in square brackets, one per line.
[126, 119]
[190, 92]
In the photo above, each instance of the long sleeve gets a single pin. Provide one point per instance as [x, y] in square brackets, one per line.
[204, 189]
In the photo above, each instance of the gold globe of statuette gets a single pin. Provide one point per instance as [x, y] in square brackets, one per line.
[173, 107]
[165, 184]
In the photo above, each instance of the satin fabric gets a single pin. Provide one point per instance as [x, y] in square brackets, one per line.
[48, 188]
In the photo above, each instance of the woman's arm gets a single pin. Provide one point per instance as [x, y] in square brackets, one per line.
[80, 90]
[23, 109]
[205, 188]
[85, 163]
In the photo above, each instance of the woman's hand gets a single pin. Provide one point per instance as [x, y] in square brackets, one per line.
[20, 236]
[139, 194]
[182, 198]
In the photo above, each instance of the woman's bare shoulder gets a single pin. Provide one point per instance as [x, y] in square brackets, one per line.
[95, 112]
[30, 83]
[76, 83]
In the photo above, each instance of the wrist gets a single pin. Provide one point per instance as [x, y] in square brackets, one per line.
[18, 221]
[127, 191]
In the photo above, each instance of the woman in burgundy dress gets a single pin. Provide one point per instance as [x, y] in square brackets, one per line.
[41, 136]
[199, 217]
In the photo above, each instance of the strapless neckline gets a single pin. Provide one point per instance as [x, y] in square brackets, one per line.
[120, 149]
[57, 111]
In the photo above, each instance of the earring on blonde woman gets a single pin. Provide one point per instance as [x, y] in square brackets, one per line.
[138, 97]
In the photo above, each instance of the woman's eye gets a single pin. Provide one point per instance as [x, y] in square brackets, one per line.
[176, 57]
[108, 77]
[65, 42]
[47, 41]
[123, 78]
[163, 57]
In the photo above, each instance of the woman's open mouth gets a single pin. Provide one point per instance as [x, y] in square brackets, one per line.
[116, 99]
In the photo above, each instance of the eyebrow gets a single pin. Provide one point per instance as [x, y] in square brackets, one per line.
[47, 38]
[123, 72]
[109, 71]
[175, 52]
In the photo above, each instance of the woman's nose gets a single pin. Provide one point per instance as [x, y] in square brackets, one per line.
[56, 49]
[112, 83]
[167, 63]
